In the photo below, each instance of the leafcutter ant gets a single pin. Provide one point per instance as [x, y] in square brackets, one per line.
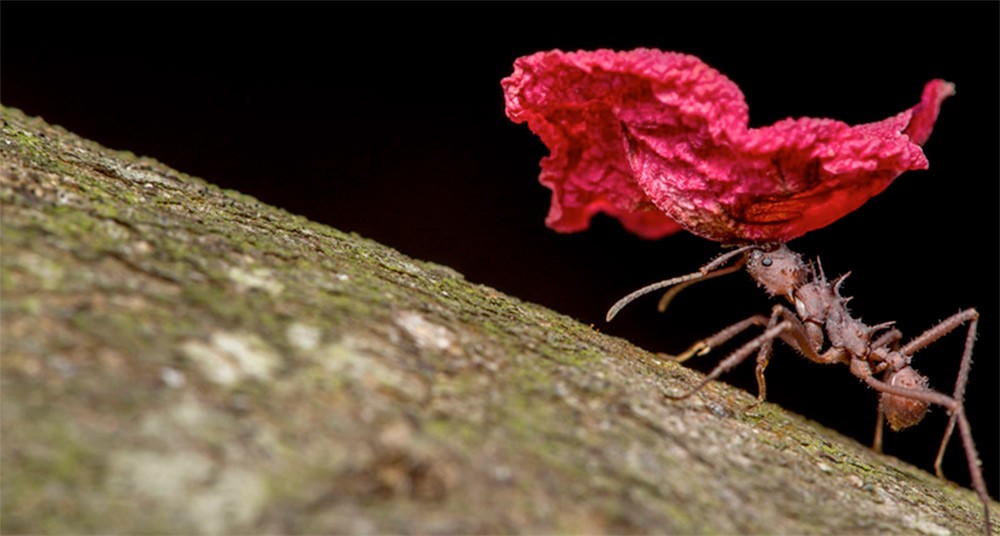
[819, 318]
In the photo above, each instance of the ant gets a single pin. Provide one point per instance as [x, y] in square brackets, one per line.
[820, 317]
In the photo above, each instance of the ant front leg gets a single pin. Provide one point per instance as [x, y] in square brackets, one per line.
[734, 359]
[789, 329]
[705, 345]
[764, 357]
[795, 336]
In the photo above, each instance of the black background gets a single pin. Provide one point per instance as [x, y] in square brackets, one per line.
[388, 120]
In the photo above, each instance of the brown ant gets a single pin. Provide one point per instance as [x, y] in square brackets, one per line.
[820, 317]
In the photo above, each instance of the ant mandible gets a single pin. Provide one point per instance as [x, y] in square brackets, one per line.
[821, 317]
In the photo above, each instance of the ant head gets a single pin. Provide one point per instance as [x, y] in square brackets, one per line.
[902, 412]
[776, 268]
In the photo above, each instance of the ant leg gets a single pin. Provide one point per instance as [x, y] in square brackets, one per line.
[889, 337]
[789, 330]
[975, 466]
[941, 329]
[790, 324]
[960, 382]
[795, 337]
[879, 428]
[704, 346]
[734, 359]
[964, 429]
[764, 357]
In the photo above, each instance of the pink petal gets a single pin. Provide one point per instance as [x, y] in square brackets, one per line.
[571, 106]
[629, 128]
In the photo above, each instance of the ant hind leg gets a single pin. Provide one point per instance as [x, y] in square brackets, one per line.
[933, 334]
[957, 411]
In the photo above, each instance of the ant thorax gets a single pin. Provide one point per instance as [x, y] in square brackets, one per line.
[818, 303]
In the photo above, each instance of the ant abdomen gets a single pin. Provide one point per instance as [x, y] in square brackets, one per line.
[902, 412]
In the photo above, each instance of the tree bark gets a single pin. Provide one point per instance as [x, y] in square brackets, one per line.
[177, 358]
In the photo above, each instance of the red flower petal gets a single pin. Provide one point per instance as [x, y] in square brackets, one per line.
[628, 130]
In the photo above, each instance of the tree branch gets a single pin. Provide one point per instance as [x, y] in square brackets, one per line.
[178, 358]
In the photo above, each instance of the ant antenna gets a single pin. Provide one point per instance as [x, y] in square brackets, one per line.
[620, 304]
[672, 293]
[684, 281]
[724, 258]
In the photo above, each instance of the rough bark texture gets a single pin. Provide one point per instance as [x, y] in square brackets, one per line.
[177, 358]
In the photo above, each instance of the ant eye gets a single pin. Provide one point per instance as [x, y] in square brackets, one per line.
[766, 261]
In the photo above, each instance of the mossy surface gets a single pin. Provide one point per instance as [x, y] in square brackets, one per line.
[181, 359]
